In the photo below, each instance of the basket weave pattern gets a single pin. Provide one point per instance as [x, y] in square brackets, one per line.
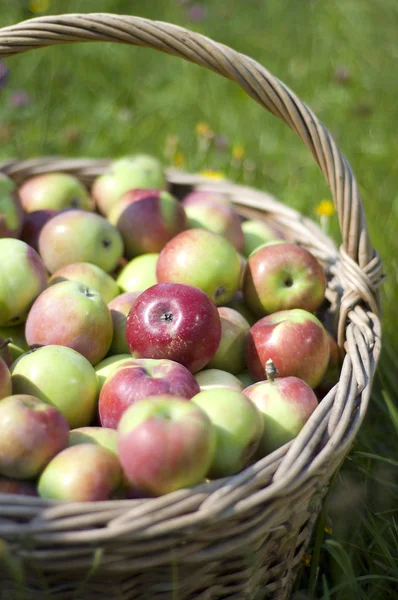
[243, 536]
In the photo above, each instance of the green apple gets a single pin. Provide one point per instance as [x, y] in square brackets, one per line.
[120, 308]
[16, 344]
[230, 354]
[139, 274]
[91, 275]
[256, 233]
[11, 213]
[23, 277]
[56, 191]
[239, 428]
[131, 172]
[215, 378]
[286, 404]
[215, 216]
[202, 259]
[104, 436]
[79, 236]
[81, 473]
[59, 376]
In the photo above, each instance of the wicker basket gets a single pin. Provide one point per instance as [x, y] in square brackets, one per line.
[244, 536]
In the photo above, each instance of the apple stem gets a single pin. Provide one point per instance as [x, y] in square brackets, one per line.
[5, 343]
[270, 370]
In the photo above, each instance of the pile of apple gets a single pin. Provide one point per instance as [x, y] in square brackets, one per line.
[146, 343]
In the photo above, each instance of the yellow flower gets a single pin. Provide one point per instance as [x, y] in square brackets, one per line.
[306, 559]
[238, 152]
[212, 174]
[328, 529]
[202, 129]
[38, 6]
[178, 159]
[325, 208]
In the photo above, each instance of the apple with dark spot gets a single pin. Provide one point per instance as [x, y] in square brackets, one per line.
[75, 236]
[73, 315]
[56, 191]
[203, 259]
[283, 276]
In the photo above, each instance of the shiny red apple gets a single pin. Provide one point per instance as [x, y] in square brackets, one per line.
[174, 321]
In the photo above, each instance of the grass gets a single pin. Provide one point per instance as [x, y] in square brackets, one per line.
[339, 57]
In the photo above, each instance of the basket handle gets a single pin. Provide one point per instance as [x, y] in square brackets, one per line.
[360, 263]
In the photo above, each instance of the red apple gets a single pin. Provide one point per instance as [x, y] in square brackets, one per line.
[33, 432]
[230, 354]
[165, 444]
[238, 425]
[214, 216]
[147, 220]
[33, 223]
[55, 191]
[120, 308]
[79, 236]
[286, 404]
[295, 340]
[203, 259]
[283, 276]
[90, 275]
[174, 321]
[5, 380]
[11, 213]
[139, 379]
[81, 473]
[73, 315]
[23, 276]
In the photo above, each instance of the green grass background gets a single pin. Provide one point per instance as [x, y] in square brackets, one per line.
[340, 57]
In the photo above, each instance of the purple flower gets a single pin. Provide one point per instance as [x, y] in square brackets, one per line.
[221, 142]
[197, 12]
[19, 98]
[3, 74]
